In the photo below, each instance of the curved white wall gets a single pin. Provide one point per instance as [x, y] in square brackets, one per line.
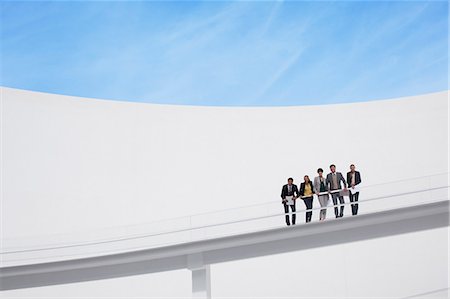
[112, 163]
[72, 164]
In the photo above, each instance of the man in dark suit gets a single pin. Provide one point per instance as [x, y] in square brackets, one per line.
[289, 194]
[353, 180]
[334, 180]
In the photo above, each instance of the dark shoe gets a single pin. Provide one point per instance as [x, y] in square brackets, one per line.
[342, 215]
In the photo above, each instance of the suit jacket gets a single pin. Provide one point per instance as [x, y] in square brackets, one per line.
[302, 188]
[340, 179]
[357, 178]
[317, 184]
[284, 191]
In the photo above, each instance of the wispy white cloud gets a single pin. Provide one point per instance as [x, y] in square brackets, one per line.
[225, 53]
[284, 67]
[270, 19]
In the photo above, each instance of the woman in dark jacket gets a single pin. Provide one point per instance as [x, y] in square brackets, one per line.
[306, 193]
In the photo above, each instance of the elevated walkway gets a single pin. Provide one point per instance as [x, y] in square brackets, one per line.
[430, 210]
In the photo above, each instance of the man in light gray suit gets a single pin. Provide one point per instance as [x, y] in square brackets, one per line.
[334, 180]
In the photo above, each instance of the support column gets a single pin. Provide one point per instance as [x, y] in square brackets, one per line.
[201, 283]
[201, 276]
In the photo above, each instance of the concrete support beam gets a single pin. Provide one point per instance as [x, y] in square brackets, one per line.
[201, 276]
[201, 283]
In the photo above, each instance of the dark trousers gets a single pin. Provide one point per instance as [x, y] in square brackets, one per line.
[335, 197]
[354, 198]
[309, 204]
[286, 210]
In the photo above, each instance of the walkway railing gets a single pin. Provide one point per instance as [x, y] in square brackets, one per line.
[251, 218]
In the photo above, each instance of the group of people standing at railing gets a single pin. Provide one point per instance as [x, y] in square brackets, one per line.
[322, 187]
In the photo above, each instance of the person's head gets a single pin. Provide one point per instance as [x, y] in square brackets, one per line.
[352, 167]
[333, 168]
[290, 181]
[306, 178]
[320, 171]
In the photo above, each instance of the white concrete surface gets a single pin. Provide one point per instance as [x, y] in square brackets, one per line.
[75, 167]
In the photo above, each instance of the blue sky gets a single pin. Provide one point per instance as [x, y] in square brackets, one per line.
[226, 53]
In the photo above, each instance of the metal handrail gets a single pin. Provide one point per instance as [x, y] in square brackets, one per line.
[216, 224]
[364, 187]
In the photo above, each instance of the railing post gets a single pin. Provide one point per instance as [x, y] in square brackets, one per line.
[201, 276]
